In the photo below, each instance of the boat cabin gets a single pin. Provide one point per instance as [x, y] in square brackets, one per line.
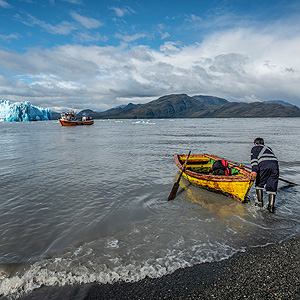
[68, 116]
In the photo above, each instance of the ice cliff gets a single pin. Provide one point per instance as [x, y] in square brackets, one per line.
[22, 111]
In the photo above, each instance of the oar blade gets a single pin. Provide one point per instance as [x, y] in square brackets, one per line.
[174, 191]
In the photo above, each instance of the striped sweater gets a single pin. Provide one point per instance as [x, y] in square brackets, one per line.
[262, 157]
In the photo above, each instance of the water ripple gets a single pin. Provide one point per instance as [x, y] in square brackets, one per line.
[90, 204]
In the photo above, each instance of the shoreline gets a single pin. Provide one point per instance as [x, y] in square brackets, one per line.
[270, 272]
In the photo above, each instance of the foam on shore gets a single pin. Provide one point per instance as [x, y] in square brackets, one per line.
[271, 272]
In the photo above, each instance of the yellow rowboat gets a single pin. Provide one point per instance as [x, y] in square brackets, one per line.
[199, 172]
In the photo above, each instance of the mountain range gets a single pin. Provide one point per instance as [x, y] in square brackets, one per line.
[199, 106]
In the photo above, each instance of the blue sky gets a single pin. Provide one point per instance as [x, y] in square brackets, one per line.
[100, 54]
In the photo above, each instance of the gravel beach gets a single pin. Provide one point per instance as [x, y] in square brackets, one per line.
[271, 272]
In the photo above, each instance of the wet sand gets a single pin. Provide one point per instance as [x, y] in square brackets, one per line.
[271, 272]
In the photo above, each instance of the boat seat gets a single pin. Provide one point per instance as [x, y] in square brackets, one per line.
[198, 165]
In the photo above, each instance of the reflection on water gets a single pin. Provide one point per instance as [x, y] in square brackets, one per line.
[216, 204]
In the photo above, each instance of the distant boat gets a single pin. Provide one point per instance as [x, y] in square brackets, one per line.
[199, 172]
[69, 119]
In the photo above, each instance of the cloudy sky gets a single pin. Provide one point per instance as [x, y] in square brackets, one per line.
[99, 54]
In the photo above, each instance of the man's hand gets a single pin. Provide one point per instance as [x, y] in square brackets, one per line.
[253, 175]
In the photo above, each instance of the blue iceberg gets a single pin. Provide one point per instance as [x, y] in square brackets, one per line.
[22, 111]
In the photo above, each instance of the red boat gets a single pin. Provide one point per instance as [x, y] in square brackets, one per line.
[69, 119]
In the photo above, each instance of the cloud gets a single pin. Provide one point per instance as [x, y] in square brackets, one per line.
[86, 37]
[130, 38]
[62, 28]
[88, 23]
[9, 37]
[121, 12]
[161, 28]
[240, 64]
[170, 47]
[5, 4]
[193, 18]
[78, 2]
[165, 35]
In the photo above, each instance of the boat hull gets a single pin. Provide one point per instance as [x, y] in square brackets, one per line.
[234, 186]
[75, 123]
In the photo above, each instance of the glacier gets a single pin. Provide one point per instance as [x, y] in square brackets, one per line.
[22, 111]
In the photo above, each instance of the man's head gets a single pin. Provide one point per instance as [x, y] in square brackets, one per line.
[259, 141]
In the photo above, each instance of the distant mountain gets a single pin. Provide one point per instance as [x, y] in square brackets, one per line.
[250, 110]
[170, 106]
[87, 112]
[184, 106]
[210, 100]
[279, 102]
[55, 115]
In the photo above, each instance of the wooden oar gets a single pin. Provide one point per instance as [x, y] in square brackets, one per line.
[249, 168]
[176, 184]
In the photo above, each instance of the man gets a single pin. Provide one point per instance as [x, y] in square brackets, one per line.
[266, 172]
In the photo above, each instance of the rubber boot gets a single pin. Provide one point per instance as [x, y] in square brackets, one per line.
[259, 194]
[271, 203]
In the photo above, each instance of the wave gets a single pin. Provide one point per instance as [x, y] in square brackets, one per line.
[83, 265]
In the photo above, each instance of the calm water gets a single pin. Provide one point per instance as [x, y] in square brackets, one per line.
[89, 204]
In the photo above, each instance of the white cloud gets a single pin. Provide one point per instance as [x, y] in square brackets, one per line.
[63, 27]
[78, 2]
[169, 47]
[162, 31]
[165, 35]
[193, 18]
[130, 38]
[9, 37]
[239, 64]
[87, 37]
[88, 23]
[121, 12]
[5, 4]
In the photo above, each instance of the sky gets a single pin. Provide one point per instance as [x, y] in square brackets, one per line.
[87, 54]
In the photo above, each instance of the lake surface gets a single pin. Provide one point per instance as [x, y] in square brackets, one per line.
[89, 203]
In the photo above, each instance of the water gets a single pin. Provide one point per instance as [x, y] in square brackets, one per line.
[89, 204]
